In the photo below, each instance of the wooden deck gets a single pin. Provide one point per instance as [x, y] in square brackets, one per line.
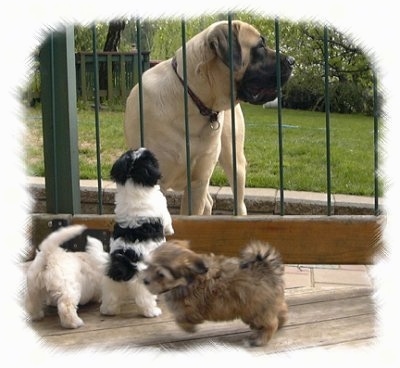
[324, 318]
[318, 317]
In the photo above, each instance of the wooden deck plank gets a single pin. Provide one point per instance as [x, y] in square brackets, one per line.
[129, 317]
[326, 318]
[329, 333]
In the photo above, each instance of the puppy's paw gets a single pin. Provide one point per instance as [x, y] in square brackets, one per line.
[72, 323]
[257, 339]
[188, 327]
[152, 312]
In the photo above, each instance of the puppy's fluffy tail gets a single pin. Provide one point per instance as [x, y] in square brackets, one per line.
[60, 236]
[263, 257]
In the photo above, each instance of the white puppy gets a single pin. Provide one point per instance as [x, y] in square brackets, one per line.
[142, 221]
[65, 279]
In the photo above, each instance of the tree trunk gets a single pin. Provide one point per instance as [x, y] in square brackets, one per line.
[115, 28]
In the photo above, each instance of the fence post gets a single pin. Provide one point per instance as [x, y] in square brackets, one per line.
[60, 136]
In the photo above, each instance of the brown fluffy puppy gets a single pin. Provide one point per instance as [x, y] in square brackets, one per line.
[217, 288]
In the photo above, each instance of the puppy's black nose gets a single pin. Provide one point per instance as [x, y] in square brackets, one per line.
[290, 60]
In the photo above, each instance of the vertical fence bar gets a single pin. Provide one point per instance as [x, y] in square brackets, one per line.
[280, 132]
[140, 70]
[376, 145]
[97, 119]
[327, 120]
[233, 120]
[187, 132]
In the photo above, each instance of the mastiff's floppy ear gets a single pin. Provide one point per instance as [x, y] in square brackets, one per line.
[218, 40]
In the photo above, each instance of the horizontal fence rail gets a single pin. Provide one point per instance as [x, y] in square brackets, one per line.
[123, 70]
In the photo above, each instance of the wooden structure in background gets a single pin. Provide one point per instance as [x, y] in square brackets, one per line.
[120, 73]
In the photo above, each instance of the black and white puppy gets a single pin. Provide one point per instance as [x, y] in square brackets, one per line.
[142, 221]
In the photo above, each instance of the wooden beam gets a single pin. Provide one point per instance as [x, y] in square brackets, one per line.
[300, 239]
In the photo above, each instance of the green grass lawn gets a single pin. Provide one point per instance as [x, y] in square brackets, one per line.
[304, 149]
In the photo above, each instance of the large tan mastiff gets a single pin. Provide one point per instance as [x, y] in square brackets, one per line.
[209, 114]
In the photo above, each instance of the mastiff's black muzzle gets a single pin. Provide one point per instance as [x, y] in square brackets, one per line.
[259, 82]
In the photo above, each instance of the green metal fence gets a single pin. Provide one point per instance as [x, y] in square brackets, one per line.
[59, 112]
